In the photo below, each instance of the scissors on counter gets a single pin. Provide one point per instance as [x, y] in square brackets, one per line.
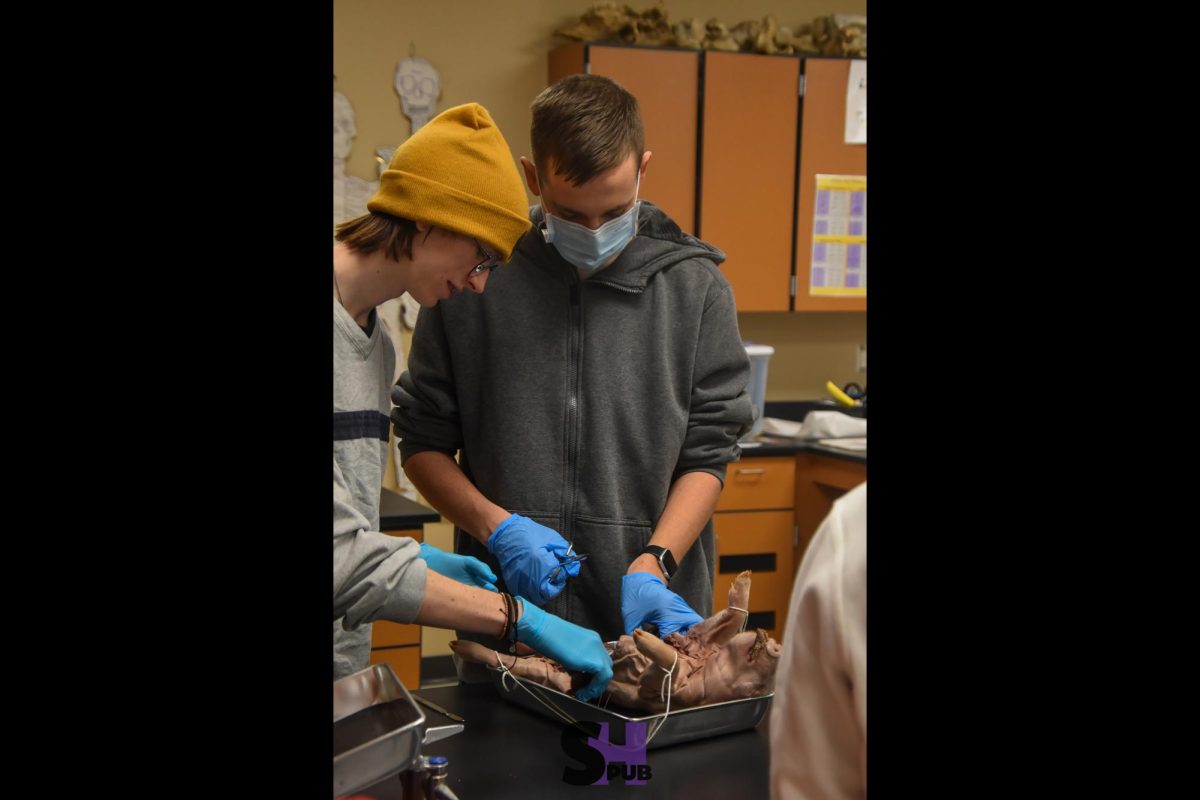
[855, 392]
[850, 395]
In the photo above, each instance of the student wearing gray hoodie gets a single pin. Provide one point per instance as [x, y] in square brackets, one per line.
[449, 209]
[594, 396]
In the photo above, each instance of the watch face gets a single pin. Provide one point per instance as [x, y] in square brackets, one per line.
[668, 562]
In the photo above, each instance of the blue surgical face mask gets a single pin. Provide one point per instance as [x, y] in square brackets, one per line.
[589, 249]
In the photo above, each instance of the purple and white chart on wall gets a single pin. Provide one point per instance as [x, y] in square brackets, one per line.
[839, 254]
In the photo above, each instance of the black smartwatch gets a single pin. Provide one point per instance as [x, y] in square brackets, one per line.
[666, 561]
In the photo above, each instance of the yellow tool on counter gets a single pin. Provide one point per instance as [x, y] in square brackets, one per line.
[841, 396]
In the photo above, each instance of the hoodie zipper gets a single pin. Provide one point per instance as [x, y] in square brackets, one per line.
[574, 373]
[574, 391]
[572, 434]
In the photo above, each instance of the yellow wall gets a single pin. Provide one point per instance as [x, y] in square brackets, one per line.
[809, 350]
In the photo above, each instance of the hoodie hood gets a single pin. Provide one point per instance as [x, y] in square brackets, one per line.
[659, 244]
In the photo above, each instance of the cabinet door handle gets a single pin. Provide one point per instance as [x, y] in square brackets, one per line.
[751, 471]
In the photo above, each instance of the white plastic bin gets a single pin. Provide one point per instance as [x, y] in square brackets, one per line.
[759, 355]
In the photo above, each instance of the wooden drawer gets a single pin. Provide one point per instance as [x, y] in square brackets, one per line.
[392, 634]
[755, 538]
[769, 593]
[759, 483]
[754, 532]
[406, 661]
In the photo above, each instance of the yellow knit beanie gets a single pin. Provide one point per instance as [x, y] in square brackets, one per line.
[457, 172]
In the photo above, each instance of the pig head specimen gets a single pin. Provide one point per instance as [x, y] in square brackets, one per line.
[713, 663]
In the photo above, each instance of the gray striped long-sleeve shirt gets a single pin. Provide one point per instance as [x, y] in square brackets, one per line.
[375, 576]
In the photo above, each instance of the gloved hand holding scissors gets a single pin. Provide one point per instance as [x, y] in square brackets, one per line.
[578, 649]
[645, 599]
[532, 558]
[464, 569]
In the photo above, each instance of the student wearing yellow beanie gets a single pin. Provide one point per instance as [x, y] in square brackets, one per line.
[449, 209]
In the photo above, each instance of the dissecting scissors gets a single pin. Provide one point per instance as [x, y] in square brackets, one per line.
[568, 561]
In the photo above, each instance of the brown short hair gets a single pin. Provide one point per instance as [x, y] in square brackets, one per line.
[587, 124]
[375, 231]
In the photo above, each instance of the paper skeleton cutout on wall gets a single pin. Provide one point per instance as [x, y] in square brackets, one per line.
[418, 85]
[344, 129]
[350, 194]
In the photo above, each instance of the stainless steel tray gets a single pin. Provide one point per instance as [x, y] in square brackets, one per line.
[684, 725]
[377, 728]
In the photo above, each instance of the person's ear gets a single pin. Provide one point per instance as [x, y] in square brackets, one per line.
[531, 176]
[422, 227]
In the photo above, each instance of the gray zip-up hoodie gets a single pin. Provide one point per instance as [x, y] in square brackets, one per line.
[578, 403]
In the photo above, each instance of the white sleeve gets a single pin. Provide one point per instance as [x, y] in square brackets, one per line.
[818, 728]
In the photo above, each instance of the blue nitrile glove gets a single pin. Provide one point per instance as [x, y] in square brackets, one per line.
[646, 599]
[577, 649]
[529, 554]
[464, 569]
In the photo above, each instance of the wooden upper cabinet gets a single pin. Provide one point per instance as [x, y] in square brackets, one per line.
[748, 172]
[823, 151]
[666, 84]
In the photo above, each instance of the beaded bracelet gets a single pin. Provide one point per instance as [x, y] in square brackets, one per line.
[504, 615]
[510, 628]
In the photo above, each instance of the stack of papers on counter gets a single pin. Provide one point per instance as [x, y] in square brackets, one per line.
[780, 427]
[817, 425]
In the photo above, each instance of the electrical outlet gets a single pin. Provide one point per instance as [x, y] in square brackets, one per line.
[860, 362]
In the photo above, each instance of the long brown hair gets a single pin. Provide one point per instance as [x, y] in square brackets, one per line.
[374, 231]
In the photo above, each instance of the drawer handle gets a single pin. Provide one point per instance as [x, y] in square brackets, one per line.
[751, 471]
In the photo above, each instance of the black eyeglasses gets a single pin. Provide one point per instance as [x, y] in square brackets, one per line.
[490, 262]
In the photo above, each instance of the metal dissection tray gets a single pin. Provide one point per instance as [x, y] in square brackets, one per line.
[377, 728]
[684, 725]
